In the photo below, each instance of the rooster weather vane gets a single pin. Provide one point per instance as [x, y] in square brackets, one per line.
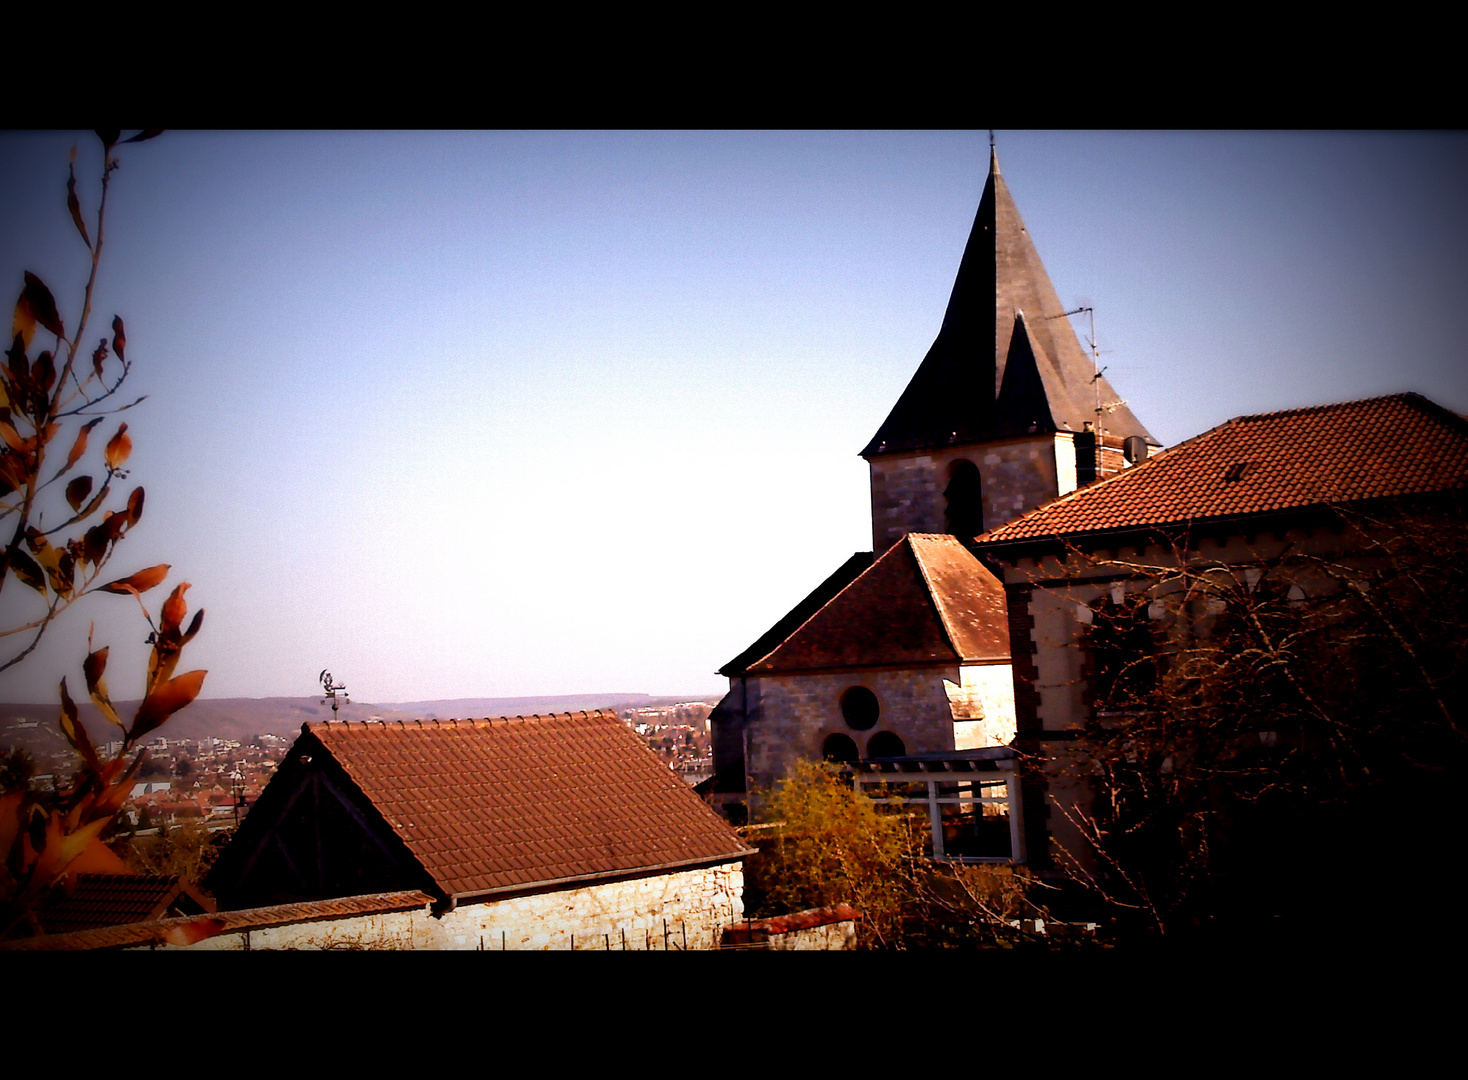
[330, 688]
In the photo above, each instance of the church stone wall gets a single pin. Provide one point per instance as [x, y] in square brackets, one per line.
[1018, 475]
[795, 713]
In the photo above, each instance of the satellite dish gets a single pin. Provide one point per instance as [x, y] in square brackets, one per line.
[1135, 449]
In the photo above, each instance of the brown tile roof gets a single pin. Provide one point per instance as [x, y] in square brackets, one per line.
[1383, 447]
[188, 928]
[821, 595]
[925, 600]
[94, 900]
[496, 805]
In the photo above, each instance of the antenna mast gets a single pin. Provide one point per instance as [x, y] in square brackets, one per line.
[1096, 370]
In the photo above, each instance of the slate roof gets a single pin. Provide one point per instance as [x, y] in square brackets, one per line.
[991, 373]
[500, 805]
[925, 600]
[1382, 447]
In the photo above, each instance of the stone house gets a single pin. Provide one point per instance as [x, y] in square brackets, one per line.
[540, 832]
[1295, 511]
[903, 650]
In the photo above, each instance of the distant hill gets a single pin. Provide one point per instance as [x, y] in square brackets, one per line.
[530, 706]
[34, 726]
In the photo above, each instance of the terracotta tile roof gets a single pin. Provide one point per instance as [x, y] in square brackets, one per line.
[493, 805]
[926, 600]
[95, 900]
[176, 930]
[1383, 447]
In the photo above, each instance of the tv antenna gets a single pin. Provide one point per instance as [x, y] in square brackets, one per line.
[330, 687]
[1097, 371]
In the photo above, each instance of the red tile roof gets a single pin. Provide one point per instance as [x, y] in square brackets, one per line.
[94, 900]
[497, 805]
[1383, 447]
[926, 600]
[188, 928]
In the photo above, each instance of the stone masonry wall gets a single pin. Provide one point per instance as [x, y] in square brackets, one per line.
[697, 903]
[1017, 474]
[932, 709]
[797, 712]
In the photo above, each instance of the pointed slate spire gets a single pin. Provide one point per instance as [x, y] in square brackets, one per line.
[1023, 406]
[956, 395]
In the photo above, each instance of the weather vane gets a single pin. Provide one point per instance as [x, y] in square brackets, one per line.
[330, 689]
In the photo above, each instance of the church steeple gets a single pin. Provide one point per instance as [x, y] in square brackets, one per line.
[1002, 414]
[956, 395]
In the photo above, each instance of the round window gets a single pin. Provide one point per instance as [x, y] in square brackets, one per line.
[839, 747]
[886, 744]
[859, 708]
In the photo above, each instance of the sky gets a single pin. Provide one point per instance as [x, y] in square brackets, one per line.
[480, 414]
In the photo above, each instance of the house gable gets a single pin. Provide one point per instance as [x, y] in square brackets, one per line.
[473, 808]
[926, 600]
[313, 835]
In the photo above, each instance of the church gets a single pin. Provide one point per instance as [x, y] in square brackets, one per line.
[901, 658]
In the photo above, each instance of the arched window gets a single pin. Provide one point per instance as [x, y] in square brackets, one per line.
[886, 744]
[839, 747]
[965, 499]
[859, 708]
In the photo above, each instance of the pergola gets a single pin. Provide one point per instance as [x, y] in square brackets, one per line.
[971, 798]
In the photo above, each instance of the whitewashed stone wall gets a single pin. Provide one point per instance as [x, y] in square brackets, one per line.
[696, 903]
[982, 704]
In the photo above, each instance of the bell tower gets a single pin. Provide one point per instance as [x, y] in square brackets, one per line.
[1002, 414]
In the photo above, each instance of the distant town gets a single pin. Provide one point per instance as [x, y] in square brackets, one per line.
[212, 780]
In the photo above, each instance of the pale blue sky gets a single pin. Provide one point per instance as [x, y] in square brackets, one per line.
[480, 414]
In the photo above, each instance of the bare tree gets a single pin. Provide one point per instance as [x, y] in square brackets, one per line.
[1265, 732]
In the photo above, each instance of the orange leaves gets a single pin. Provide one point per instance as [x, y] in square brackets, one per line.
[174, 609]
[77, 492]
[119, 446]
[14, 441]
[71, 201]
[38, 398]
[62, 847]
[76, 734]
[168, 642]
[26, 569]
[36, 305]
[93, 668]
[79, 447]
[166, 700]
[140, 582]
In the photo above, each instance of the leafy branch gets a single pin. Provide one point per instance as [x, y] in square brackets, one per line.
[42, 839]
